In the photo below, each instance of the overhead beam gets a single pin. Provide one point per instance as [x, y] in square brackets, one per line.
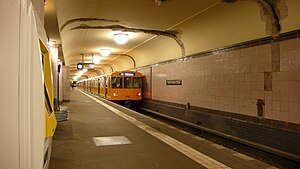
[272, 11]
[97, 70]
[134, 63]
[101, 70]
[112, 69]
[86, 20]
[170, 34]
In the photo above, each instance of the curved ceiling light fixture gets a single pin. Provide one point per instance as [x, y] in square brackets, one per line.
[105, 52]
[121, 38]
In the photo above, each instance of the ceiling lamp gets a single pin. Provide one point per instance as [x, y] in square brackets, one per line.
[121, 38]
[96, 59]
[105, 52]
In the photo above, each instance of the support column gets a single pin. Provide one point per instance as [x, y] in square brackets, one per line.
[66, 83]
[54, 63]
[60, 82]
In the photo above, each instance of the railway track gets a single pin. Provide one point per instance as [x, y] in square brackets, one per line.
[265, 156]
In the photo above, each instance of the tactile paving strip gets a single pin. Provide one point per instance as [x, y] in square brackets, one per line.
[113, 140]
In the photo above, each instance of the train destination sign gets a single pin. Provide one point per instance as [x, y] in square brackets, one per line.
[127, 74]
[173, 82]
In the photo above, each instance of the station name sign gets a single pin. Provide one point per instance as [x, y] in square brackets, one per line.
[173, 82]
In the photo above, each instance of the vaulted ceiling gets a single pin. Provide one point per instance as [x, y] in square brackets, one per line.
[139, 14]
[158, 29]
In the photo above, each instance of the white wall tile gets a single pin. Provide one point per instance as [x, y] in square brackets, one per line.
[233, 81]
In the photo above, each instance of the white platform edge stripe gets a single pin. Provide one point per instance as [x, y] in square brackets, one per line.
[193, 154]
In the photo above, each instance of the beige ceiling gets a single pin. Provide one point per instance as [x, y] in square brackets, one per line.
[202, 25]
[142, 14]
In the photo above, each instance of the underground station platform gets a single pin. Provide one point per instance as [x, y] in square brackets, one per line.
[101, 134]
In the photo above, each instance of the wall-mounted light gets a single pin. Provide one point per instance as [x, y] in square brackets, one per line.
[121, 38]
[105, 52]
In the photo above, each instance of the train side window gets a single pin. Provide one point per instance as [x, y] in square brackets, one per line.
[116, 82]
[137, 82]
[128, 82]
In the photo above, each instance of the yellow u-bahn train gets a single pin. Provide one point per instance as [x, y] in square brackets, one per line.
[124, 87]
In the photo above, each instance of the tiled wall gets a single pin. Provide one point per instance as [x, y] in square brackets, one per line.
[233, 81]
[146, 82]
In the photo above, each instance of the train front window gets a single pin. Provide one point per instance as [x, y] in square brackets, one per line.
[116, 82]
[134, 82]
[137, 82]
[128, 83]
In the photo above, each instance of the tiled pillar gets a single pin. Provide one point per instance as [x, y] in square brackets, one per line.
[66, 83]
[60, 83]
[54, 63]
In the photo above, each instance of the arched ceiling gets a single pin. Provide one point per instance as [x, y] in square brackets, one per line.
[83, 27]
[145, 14]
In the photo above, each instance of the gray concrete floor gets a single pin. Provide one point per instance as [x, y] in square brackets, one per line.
[73, 147]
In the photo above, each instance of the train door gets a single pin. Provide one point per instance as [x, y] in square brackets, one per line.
[89, 86]
[107, 85]
[127, 91]
[98, 90]
[93, 86]
[127, 87]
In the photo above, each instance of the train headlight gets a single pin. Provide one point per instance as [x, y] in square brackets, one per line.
[115, 94]
[139, 94]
